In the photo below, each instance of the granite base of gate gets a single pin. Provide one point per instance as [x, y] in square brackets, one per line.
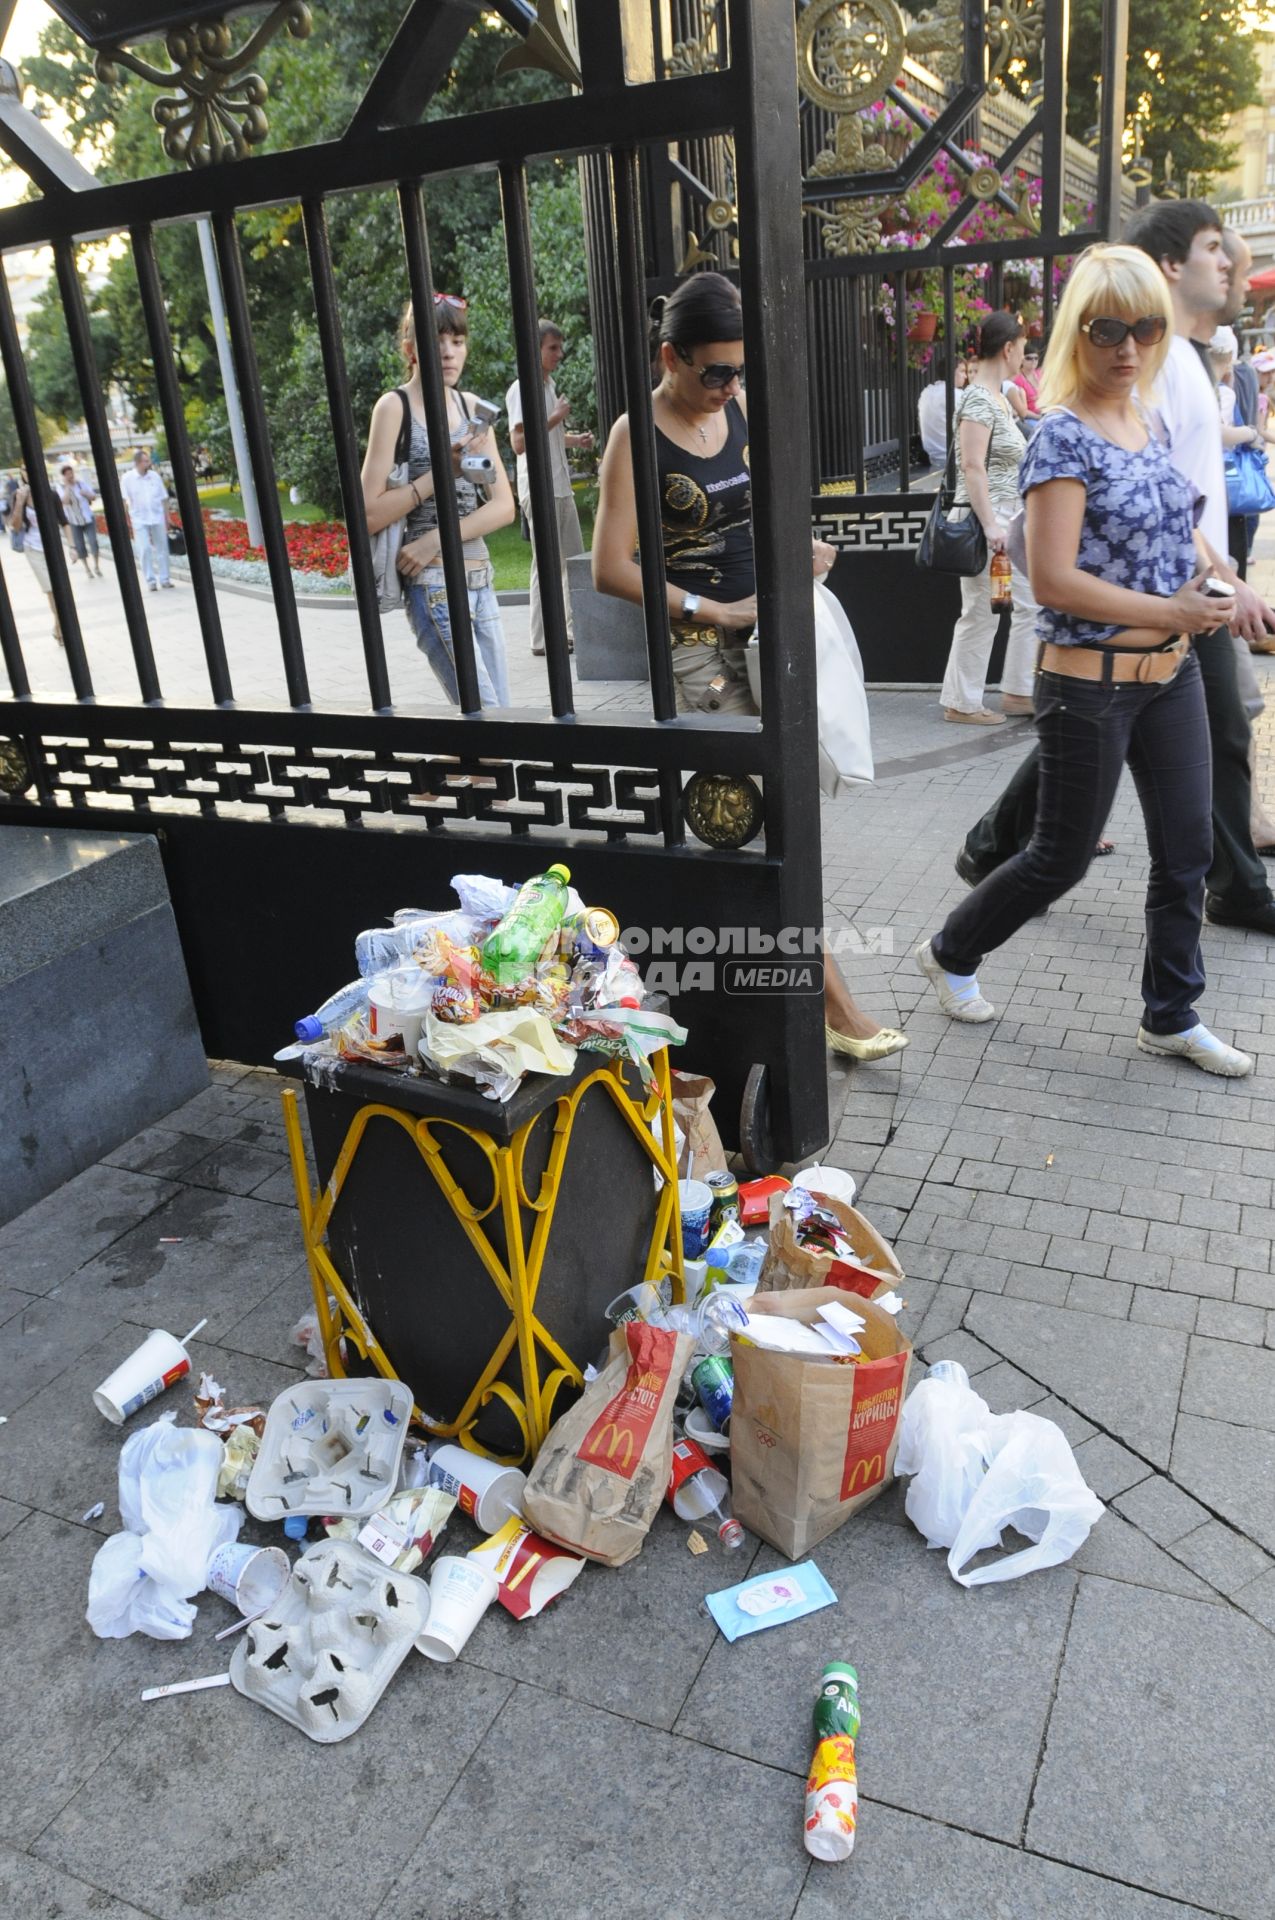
[469, 1248]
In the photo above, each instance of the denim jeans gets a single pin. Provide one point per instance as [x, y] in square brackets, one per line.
[1087, 733]
[425, 602]
[150, 543]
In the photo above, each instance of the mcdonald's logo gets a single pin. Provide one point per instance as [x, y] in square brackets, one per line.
[865, 1472]
[621, 1442]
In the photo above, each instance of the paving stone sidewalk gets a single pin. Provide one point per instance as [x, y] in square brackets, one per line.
[1088, 1230]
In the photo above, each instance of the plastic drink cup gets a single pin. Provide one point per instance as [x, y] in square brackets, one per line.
[251, 1578]
[834, 1181]
[696, 1201]
[150, 1370]
[460, 1592]
[487, 1491]
[643, 1302]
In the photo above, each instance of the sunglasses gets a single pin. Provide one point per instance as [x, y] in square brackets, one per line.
[1148, 331]
[451, 300]
[717, 374]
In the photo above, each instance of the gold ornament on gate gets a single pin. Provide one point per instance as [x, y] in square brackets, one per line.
[15, 768]
[723, 809]
[849, 51]
[984, 183]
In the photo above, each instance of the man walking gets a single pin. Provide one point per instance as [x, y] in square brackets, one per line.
[1184, 238]
[146, 498]
[557, 412]
[76, 496]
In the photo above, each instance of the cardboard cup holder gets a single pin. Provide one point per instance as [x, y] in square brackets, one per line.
[331, 1447]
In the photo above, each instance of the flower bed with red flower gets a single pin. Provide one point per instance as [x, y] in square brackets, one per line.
[314, 546]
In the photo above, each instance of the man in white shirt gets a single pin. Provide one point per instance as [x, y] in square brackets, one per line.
[557, 412]
[1184, 238]
[146, 498]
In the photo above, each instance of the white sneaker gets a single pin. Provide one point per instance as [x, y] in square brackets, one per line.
[1202, 1048]
[958, 993]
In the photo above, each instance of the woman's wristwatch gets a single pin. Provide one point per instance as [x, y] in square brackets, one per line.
[690, 605]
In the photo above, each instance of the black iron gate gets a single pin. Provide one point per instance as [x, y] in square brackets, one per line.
[284, 831]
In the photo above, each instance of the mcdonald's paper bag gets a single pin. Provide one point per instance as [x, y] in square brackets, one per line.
[872, 1269]
[813, 1440]
[604, 1467]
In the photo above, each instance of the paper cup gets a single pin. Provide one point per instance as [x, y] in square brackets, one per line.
[460, 1592]
[251, 1578]
[393, 1013]
[148, 1372]
[834, 1181]
[487, 1491]
[696, 1201]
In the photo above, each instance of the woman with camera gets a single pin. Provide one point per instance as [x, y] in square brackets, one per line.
[484, 500]
[701, 438]
[1121, 576]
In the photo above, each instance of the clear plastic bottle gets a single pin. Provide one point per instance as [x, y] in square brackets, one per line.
[697, 1491]
[511, 950]
[335, 1011]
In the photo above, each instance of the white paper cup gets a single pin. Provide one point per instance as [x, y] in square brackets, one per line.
[487, 1491]
[460, 1592]
[251, 1578]
[149, 1371]
[391, 1013]
[834, 1181]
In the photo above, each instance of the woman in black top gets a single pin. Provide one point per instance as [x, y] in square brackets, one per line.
[701, 438]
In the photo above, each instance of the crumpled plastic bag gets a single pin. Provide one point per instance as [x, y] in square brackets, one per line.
[141, 1578]
[974, 1473]
[497, 1048]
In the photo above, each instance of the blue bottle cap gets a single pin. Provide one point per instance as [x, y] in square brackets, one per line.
[310, 1028]
[296, 1526]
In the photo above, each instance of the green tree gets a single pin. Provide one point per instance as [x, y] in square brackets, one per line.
[1190, 67]
[51, 370]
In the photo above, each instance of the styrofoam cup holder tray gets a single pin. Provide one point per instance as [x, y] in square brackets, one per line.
[325, 1654]
[330, 1447]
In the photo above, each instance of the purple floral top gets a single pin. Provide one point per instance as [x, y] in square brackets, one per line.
[1140, 513]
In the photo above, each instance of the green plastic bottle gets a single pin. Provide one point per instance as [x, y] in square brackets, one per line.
[832, 1786]
[512, 948]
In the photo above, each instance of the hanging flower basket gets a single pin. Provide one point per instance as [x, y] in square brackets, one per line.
[924, 327]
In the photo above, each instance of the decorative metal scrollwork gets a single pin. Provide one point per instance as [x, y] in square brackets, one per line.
[1015, 29]
[694, 56]
[550, 46]
[849, 152]
[849, 226]
[216, 111]
[849, 51]
[984, 183]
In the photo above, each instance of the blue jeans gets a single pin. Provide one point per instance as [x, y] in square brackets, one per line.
[425, 601]
[1087, 733]
[150, 543]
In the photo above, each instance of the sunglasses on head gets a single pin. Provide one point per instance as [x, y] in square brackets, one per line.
[717, 374]
[1106, 332]
[451, 300]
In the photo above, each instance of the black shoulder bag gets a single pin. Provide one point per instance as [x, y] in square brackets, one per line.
[953, 540]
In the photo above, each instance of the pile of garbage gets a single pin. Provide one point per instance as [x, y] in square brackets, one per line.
[511, 981]
[771, 1400]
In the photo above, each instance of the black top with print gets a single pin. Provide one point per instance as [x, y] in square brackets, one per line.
[706, 513]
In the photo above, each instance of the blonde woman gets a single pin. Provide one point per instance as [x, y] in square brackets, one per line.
[482, 509]
[1119, 572]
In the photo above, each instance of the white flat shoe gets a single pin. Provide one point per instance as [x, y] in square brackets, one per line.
[1202, 1048]
[957, 1003]
[981, 717]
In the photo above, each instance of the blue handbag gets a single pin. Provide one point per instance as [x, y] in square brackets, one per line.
[1248, 487]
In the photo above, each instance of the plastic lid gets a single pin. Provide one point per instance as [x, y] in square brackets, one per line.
[296, 1526]
[311, 1028]
[841, 1670]
[561, 872]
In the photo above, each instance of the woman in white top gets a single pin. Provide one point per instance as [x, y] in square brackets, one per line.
[990, 448]
[22, 520]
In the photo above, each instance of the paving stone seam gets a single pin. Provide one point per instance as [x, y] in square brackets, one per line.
[90, 1886]
[1049, 1714]
[1154, 1472]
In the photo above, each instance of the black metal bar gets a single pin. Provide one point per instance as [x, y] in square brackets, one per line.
[415, 64]
[637, 390]
[11, 646]
[953, 349]
[920, 257]
[903, 424]
[544, 512]
[346, 447]
[858, 473]
[1115, 57]
[15, 374]
[81, 343]
[1053, 112]
[421, 280]
[256, 426]
[188, 502]
[584, 123]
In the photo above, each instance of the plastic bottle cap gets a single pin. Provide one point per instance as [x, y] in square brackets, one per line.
[310, 1028]
[562, 873]
[296, 1526]
[731, 1534]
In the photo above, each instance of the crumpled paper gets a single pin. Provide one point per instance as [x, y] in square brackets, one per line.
[497, 1047]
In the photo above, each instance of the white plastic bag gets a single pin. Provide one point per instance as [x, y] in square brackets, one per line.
[845, 733]
[1033, 1485]
[944, 1445]
[142, 1577]
[974, 1473]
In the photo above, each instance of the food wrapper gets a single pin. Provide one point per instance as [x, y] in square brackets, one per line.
[496, 1046]
[212, 1412]
[237, 1462]
[531, 1570]
[410, 1522]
